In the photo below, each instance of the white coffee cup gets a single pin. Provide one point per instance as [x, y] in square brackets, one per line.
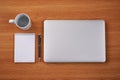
[22, 21]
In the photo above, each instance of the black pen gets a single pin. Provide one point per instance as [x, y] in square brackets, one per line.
[39, 46]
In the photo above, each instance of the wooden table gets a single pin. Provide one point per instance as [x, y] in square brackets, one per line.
[40, 10]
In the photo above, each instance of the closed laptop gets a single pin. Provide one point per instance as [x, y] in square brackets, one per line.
[74, 41]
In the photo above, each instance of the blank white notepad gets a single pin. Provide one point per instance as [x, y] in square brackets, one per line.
[24, 47]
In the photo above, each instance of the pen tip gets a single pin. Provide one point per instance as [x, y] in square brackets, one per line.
[39, 34]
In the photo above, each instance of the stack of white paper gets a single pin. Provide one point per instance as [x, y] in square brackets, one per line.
[24, 47]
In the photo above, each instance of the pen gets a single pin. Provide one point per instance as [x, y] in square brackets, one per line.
[39, 46]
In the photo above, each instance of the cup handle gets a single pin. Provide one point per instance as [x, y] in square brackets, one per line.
[11, 21]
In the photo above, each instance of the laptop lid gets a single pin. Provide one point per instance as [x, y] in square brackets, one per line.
[74, 41]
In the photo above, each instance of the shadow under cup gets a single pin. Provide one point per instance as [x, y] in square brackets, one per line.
[22, 21]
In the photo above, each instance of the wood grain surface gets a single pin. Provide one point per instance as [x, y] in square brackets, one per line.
[40, 10]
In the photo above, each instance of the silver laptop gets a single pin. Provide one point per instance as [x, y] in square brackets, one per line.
[74, 41]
